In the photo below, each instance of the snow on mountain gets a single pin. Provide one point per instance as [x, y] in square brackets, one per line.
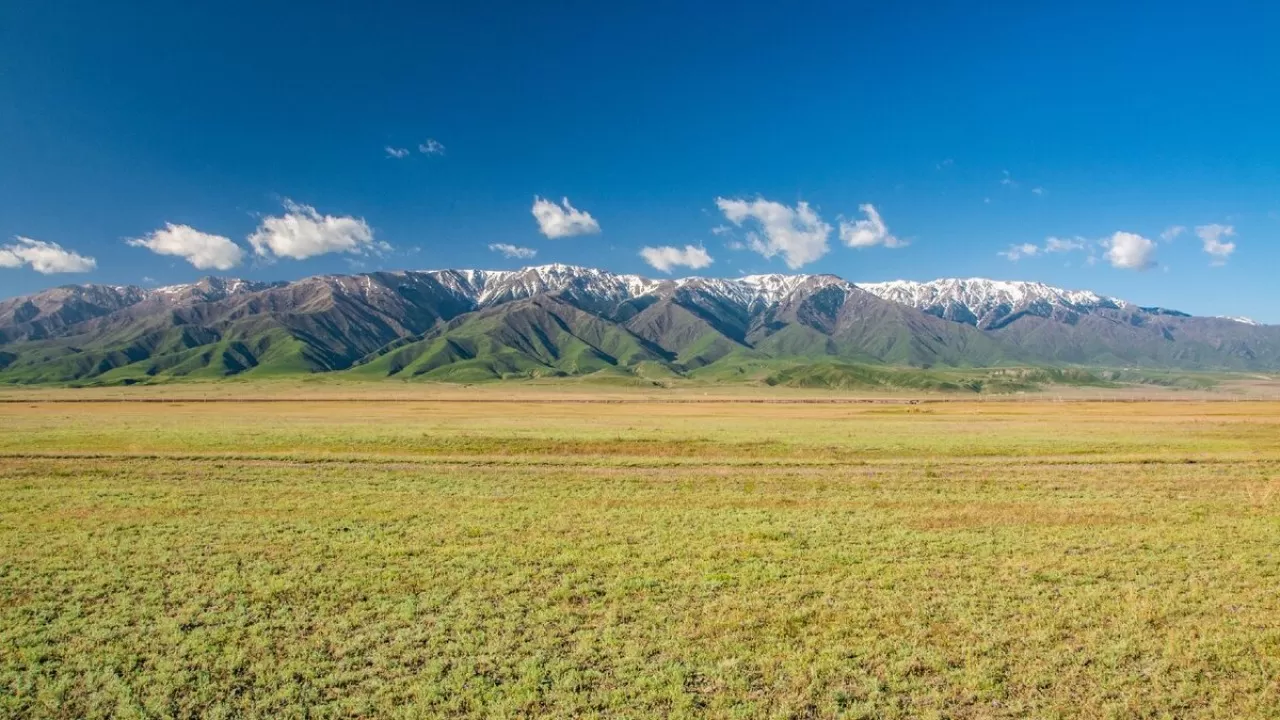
[983, 293]
[984, 302]
[597, 284]
[484, 288]
[206, 290]
[772, 289]
[1241, 320]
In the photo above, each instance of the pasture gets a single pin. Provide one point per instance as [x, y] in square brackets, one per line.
[527, 558]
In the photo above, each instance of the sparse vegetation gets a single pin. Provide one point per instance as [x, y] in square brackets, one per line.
[637, 559]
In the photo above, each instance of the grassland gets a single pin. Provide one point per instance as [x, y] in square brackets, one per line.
[637, 559]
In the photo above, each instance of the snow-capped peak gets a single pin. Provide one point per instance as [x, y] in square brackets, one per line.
[207, 288]
[982, 302]
[492, 287]
[514, 284]
[982, 291]
[773, 288]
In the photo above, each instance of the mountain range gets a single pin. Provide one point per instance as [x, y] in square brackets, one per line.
[474, 325]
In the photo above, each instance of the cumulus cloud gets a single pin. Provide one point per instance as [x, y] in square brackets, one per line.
[666, 257]
[46, 258]
[1130, 251]
[302, 233]
[563, 220]
[1172, 232]
[869, 232]
[431, 147]
[513, 251]
[1212, 237]
[396, 152]
[798, 234]
[202, 250]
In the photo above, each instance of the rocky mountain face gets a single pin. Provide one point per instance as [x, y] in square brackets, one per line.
[1084, 328]
[559, 319]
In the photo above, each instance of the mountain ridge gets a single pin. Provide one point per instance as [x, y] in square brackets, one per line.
[769, 287]
[564, 319]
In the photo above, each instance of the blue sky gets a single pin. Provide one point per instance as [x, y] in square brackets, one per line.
[970, 129]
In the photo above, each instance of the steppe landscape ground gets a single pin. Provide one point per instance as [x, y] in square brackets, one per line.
[533, 555]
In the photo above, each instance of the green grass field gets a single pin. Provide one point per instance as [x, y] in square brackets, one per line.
[639, 559]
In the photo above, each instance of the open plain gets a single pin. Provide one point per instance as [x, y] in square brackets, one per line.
[522, 557]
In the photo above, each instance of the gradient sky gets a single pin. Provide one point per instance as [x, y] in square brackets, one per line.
[970, 128]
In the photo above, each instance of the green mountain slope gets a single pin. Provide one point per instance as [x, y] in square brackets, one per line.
[539, 336]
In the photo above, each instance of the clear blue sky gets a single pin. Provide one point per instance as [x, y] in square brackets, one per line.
[117, 118]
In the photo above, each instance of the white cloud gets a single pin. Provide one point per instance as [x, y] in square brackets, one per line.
[1172, 232]
[869, 232]
[431, 147]
[396, 152]
[1017, 252]
[1212, 237]
[564, 220]
[1037, 191]
[302, 233]
[665, 258]
[1051, 245]
[1130, 251]
[204, 251]
[798, 234]
[46, 258]
[1007, 179]
[513, 251]
[1061, 245]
